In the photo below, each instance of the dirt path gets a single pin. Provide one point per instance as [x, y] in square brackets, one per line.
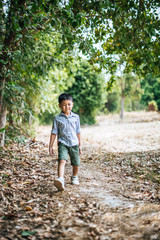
[118, 197]
[119, 192]
[139, 131]
[97, 186]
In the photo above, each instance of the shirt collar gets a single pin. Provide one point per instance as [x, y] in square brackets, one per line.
[71, 115]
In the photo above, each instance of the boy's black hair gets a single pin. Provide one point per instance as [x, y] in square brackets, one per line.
[65, 96]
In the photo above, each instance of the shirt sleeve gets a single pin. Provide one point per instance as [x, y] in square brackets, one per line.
[54, 127]
[78, 125]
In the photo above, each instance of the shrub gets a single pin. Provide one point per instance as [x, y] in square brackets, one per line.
[152, 106]
[88, 92]
[112, 102]
[151, 88]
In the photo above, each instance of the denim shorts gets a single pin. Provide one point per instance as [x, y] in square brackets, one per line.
[73, 152]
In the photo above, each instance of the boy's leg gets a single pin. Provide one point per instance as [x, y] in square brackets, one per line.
[62, 158]
[74, 178]
[75, 161]
[62, 155]
[61, 166]
[75, 170]
[59, 182]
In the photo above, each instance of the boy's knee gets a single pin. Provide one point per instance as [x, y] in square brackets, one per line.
[75, 166]
[62, 161]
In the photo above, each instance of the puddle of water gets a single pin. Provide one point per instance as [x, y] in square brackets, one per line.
[107, 198]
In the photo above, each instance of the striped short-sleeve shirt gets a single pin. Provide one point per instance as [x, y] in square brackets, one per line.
[67, 128]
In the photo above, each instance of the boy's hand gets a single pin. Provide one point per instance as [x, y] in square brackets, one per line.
[80, 150]
[51, 151]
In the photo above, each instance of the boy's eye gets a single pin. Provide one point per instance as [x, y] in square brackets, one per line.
[66, 105]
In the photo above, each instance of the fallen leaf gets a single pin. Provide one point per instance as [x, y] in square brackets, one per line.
[28, 208]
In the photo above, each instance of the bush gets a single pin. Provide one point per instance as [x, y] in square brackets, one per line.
[88, 92]
[46, 118]
[152, 106]
[151, 87]
[112, 103]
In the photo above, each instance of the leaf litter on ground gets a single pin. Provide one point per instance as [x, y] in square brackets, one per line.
[31, 207]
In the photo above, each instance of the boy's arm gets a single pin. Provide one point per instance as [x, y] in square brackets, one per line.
[52, 139]
[79, 140]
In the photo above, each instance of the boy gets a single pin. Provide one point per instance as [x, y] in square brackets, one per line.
[66, 126]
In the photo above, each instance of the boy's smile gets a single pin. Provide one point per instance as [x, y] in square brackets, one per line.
[66, 106]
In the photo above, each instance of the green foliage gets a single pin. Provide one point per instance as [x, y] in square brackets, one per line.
[128, 87]
[128, 30]
[41, 72]
[19, 133]
[151, 87]
[88, 92]
[112, 103]
[46, 117]
[133, 104]
[25, 56]
[2, 129]
[37, 38]
[134, 93]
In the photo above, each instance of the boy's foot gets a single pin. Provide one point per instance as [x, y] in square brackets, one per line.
[59, 184]
[74, 180]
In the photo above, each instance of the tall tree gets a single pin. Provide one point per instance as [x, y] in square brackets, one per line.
[88, 92]
[33, 68]
[129, 85]
[19, 21]
[126, 28]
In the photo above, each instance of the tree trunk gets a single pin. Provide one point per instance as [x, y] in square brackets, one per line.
[122, 107]
[3, 114]
[3, 110]
[10, 117]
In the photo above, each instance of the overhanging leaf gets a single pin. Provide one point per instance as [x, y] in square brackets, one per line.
[2, 129]
[28, 233]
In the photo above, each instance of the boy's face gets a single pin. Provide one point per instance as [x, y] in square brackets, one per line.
[66, 106]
